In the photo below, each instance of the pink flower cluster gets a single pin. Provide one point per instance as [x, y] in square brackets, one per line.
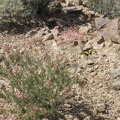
[15, 70]
[35, 109]
[20, 95]
[65, 90]
[70, 35]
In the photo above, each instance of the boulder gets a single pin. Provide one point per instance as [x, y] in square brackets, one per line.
[73, 9]
[116, 83]
[110, 31]
[116, 73]
[49, 36]
[100, 22]
[73, 2]
[116, 79]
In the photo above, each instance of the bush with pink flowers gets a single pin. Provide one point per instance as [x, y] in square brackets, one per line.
[38, 84]
[71, 35]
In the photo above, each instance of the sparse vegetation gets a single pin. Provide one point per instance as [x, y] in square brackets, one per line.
[38, 86]
[23, 12]
[20, 12]
[110, 8]
[66, 67]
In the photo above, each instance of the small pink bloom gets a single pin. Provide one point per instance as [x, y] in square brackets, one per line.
[21, 95]
[64, 90]
[32, 67]
[35, 109]
[70, 35]
[14, 38]
[30, 75]
[15, 70]
[36, 49]
[13, 117]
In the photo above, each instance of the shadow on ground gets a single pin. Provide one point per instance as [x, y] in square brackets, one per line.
[57, 18]
[77, 110]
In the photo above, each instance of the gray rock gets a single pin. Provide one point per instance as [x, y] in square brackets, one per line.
[29, 34]
[87, 46]
[85, 2]
[89, 62]
[44, 119]
[1, 51]
[96, 66]
[77, 2]
[116, 73]
[48, 37]
[75, 119]
[110, 31]
[75, 65]
[83, 114]
[85, 9]
[84, 29]
[2, 84]
[98, 43]
[0, 16]
[73, 2]
[116, 39]
[116, 83]
[32, 32]
[55, 32]
[87, 118]
[60, 119]
[100, 22]
[72, 9]
[68, 117]
[101, 107]
[90, 70]
[67, 105]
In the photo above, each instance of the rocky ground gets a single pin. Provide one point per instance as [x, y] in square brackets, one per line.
[93, 51]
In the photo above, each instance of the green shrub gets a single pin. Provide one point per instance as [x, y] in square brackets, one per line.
[20, 12]
[37, 6]
[38, 86]
[12, 10]
[111, 8]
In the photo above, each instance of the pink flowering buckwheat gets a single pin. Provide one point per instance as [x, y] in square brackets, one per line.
[35, 109]
[21, 95]
[70, 35]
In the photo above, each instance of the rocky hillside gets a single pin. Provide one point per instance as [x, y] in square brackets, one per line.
[91, 43]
